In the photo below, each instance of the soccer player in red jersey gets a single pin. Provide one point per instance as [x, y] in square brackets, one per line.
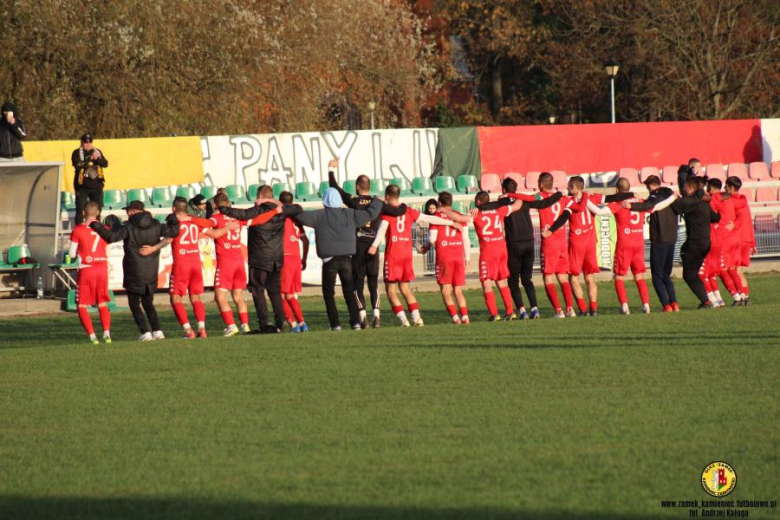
[187, 271]
[744, 228]
[92, 287]
[711, 267]
[452, 260]
[292, 268]
[399, 271]
[493, 258]
[630, 247]
[231, 269]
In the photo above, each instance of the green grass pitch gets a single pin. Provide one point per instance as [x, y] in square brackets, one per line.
[577, 418]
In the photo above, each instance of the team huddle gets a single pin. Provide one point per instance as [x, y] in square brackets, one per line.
[719, 242]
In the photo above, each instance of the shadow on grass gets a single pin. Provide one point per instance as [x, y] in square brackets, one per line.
[82, 508]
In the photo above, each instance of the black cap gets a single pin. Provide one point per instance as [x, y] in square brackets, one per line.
[197, 200]
[136, 205]
[86, 138]
[653, 179]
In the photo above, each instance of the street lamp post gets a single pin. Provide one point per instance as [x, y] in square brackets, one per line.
[372, 107]
[612, 70]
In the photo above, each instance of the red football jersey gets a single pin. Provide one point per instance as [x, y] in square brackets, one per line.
[716, 205]
[229, 244]
[744, 221]
[490, 228]
[630, 224]
[399, 234]
[185, 246]
[581, 227]
[292, 238]
[91, 248]
[449, 241]
[548, 216]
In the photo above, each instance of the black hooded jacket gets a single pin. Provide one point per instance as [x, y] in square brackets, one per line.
[11, 135]
[140, 230]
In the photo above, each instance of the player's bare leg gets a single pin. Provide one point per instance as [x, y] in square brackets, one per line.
[506, 297]
[181, 316]
[745, 296]
[552, 294]
[200, 314]
[461, 299]
[395, 303]
[593, 294]
[86, 322]
[579, 296]
[620, 289]
[490, 300]
[644, 294]
[563, 281]
[220, 297]
[449, 303]
[243, 313]
[411, 302]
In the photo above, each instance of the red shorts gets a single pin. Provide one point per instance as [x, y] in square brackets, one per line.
[729, 253]
[230, 275]
[629, 257]
[582, 258]
[291, 275]
[186, 277]
[92, 287]
[554, 257]
[743, 260]
[398, 270]
[493, 265]
[712, 263]
[451, 270]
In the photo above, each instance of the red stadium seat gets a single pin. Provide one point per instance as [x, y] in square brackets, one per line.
[560, 179]
[758, 171]
[765, 223]
[631, 174]
[716, 171]
[490, 182]
[532, 180]
[647, 171]
[766, 194]
[775, 172]
[738, 170]
[749, 194]
[669, 175]
[517, 177]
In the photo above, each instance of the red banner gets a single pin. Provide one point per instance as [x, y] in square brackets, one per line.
[593, 148]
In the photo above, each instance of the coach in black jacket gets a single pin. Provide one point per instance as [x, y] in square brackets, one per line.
[140, 272]
[12, 132]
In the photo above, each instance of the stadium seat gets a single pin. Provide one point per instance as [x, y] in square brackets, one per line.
[422, 186]
[775, 171]
[749, 194]
[324, 185]
[560, 179]
[113, 199]
[67, 201]
[236, 193]
[160, 217]
[647, 171]
[403, 184]
[161, 197]
[490, 182]
[519, 178]
[467, 184]
[350, 187]
[766, 194]
[669, 175]
[532, 180]
[16, 253]
[137, 194]
[378, 187]
[186, 191]
[445, 183]
[251, 191]
[460, 207]
[631, 174]
[279, 187]
[715, 171]
[738, 170]
[764, 223]
[208, 191]
[758, 171]
[305, 191]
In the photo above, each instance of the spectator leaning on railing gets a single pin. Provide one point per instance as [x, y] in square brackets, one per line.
[88, 181]
[12, 132]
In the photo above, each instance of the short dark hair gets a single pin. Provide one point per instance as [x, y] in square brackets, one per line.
[286, 197]
[265, 192]
[693, 160]
[392, 191]
[735, 182]
[482, 197]
[546, 180]
[715, 183]
[509, 185]
[221, 200]
[577, 181]
[363, 183]
[445, 198]
[180, 204]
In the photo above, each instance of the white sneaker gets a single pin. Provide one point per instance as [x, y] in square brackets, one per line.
[721, 303]
[158, 335]
[559, 315]
[570, 313]
[231, 331]
[417, 323]
[624, 309]
[147, 336]
[646, 308]
[405, 323]
[245, 328]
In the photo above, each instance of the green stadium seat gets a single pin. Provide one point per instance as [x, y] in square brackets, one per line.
[305, 191]
[137, 194]
[422, 186]
[403, 184]
[236, 193]
[16, 253]
[113, 199]
[445, 183]
[186, 191]
[209, 191]
[160, 217]
[460, 207]
[251, 192]
[349, 187]
[468, 184]
[279, 187]
[162, 198]
[67, 201]
[378, 187]
[70, 305]
[324, 185]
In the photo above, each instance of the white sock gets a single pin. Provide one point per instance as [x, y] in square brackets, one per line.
[455, 318]
[718, 296]
[416, 315]
[376, 312]
[464, 317]
[401, 316]
[711, 297]
[743, 296]
[201, 324]
[106, 334]
[362, 315]
[186, 326]
[736, 297]
[92, 337]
